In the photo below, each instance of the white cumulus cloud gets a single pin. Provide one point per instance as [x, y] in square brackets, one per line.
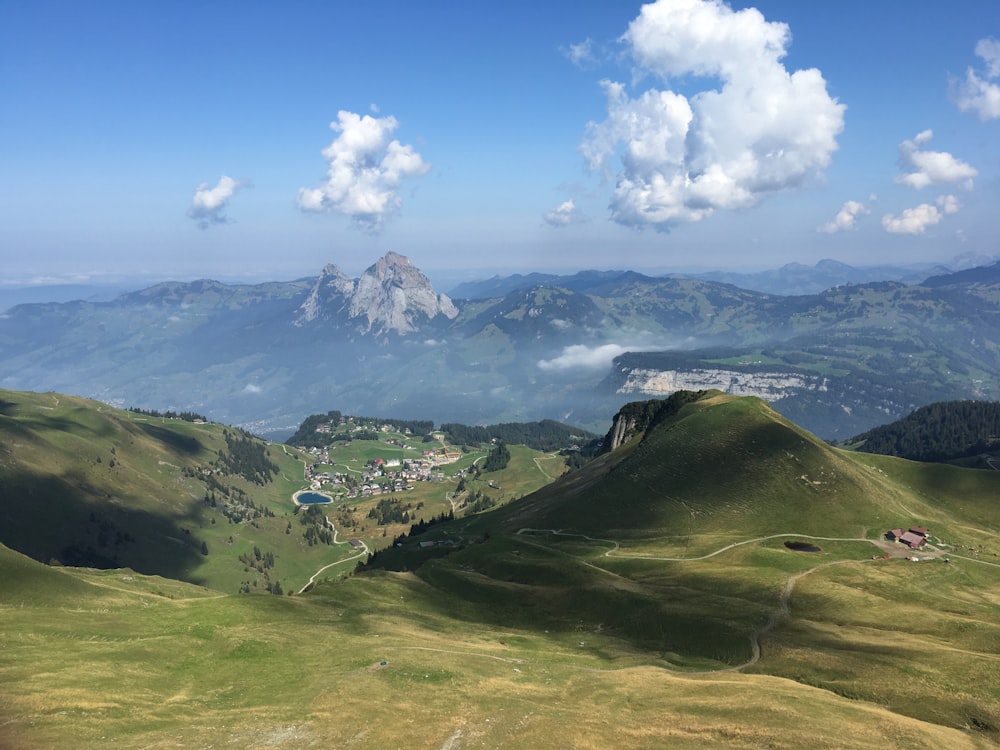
[564, 214]
[252, 389]
[981, 95]
[365, 171]
[754, 129]
[915, 220]
[582, 356]
[925, 168]
[845, 218]
[209, 204]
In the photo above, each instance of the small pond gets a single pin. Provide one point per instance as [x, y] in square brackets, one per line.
[312, 498]
[802, 547]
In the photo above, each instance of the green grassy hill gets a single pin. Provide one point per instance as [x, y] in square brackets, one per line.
[645, 600]
[85, 484]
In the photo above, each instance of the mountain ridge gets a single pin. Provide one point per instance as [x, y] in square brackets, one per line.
[264, 356]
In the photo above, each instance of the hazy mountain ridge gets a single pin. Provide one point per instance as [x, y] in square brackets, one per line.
[789, 280]
[266, 355]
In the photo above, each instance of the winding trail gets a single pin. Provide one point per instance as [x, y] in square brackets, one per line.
[362, 553]
[786, 594]
[616, 547]
[783, 612]
[545, 474]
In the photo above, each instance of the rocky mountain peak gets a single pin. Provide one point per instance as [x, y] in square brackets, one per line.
[329, 294]
[392, 295]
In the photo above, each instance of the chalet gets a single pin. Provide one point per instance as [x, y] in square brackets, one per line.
[912, 540]
[357, 543]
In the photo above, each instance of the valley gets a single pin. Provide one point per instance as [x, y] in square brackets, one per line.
[647, 597]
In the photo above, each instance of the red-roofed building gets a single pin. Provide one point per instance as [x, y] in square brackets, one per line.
[912, 540]
[919, 530]
[894, 534]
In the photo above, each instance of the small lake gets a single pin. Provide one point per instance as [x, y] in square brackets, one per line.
[312, 498]
[802, 547]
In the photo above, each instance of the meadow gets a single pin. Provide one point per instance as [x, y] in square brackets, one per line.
[684, 621]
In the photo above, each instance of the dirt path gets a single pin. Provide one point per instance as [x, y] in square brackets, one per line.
[362, 553]
[545, 474]
[783, 611]
[616, 547]
[786, 594]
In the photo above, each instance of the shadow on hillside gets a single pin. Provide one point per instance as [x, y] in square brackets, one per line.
[41, 424]
[180, 443]
[7, 407]
[689, 618]
[66, 520]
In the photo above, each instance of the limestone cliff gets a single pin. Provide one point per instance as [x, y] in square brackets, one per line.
[390, 296]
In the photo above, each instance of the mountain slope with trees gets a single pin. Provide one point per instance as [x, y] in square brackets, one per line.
[944, 431]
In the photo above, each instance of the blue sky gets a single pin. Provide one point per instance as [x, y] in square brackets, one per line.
[184, 140]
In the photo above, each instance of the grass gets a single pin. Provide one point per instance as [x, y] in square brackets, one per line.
[81, 475]
[131, 668]
[550, 640]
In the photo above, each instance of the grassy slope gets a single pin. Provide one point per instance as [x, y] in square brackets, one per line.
[75, 474]
[122, 660]
[728, 471]
[540, 640]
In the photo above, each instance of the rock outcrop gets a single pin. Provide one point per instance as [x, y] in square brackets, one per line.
[391, 296]
[770, 386]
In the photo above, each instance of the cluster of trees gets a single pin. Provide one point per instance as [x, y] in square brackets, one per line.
[234, 503]
[187, 416]
[307, 436]
[497, 459]
[546, 435]
[246, 456]
[477, 502]
[316, 531]
[389, 510]
[421, 526]
[259, 560]
[247, 587]
[941, 431]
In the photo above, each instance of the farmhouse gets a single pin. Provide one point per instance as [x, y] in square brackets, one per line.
[914, 538]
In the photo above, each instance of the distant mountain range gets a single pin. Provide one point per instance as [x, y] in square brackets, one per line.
[790, 279]
[571, 348]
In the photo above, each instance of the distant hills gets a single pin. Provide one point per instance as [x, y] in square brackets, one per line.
[790, 279]
[571, 349]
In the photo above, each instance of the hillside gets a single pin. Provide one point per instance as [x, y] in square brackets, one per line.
[646, 599]
[673, 546]
[965, 432]
[85, 484]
